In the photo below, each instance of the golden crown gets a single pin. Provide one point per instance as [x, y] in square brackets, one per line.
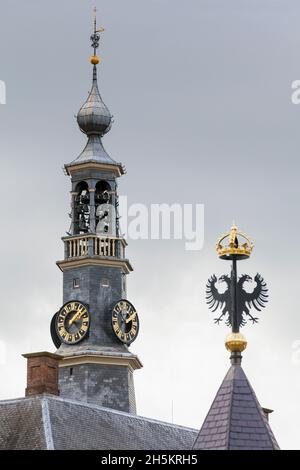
[230, 244]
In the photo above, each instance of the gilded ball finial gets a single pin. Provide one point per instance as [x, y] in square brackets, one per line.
[94, 59]
[235, 342]
[234, 243]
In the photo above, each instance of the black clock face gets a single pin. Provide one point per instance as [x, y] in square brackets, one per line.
[72, 322]
[125, 321]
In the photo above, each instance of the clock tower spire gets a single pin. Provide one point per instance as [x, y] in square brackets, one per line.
[96, 324]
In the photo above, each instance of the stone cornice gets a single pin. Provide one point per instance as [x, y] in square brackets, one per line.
[116, 169]
[88, 261]
[132, 362]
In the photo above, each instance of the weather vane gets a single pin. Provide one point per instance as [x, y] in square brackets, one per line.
[235, 302]
[95, 38]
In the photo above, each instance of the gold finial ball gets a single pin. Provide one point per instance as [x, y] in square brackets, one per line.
[94, 59]
[235, 342]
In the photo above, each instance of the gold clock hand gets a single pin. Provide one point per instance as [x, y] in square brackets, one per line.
[131, 317]
[77, 316]
[74, 318]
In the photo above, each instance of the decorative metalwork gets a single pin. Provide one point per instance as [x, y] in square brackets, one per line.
[229, 244]
[235, 302]
[95, 37]
[245, 300]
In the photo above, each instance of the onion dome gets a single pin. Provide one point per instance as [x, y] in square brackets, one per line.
[94, 117]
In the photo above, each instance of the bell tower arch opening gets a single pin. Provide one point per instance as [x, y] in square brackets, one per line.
[82, 208]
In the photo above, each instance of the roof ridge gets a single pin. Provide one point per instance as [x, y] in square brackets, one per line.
[227, 440]
[111, 410]
[47, 424]
[92, 405]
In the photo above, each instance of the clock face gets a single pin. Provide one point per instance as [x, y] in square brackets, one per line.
[125, 321]
[72, 322]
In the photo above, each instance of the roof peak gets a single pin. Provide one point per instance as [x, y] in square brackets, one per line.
[236, 421]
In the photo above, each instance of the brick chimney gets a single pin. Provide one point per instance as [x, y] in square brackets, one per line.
[42, 373]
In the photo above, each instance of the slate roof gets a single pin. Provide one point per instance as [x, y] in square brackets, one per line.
[236, 420]
[50, 422]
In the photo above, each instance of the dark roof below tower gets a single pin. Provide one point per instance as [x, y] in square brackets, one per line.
[49, 422]
[235, 420]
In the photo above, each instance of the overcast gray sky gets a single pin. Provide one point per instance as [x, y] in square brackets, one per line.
[201, 97]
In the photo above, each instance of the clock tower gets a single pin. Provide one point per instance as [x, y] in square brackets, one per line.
[96, 323]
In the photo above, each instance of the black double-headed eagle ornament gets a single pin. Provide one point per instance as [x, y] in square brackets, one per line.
[241, 293]
[245, 300]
